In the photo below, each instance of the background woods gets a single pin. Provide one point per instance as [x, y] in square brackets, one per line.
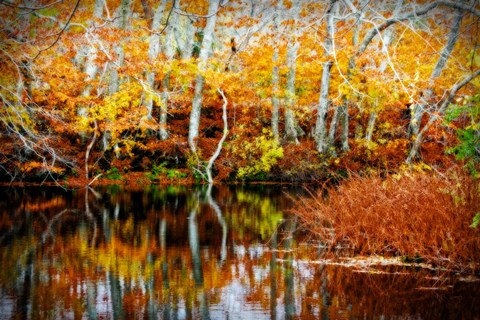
[125, 86]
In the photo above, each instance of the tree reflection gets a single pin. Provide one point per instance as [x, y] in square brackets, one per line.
[289, 270]
[224, 252]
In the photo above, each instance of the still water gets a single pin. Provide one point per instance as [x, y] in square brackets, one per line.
[192, 253]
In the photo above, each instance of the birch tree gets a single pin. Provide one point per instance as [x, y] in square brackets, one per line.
[200, 80]
[322, 108]
[293, 45]
[418, 109]
[275, 74]
[153, 51]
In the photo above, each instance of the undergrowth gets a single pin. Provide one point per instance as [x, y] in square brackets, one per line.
[420, 217]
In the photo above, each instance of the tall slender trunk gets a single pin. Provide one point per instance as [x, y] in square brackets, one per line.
[153, 51]
[147, 10]
[386, 41]
[202, 66]
[185, 36]
[125, 13]
[333, 127]
[344, 120]
[275, 100]
[98, 8]
[290, 125]
[276, 77]
[169, 50]
[322, 108]
[418, 109]
[293, 45]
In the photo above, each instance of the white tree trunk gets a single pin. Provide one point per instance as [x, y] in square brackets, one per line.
[276, 78]
[222, 140]
[290, 125]
[275, 100]
[202, 65]
[153, 51]
[169, 50]
[322, 109]
[418, 109]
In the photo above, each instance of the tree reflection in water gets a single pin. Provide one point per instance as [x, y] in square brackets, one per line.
[176, 253]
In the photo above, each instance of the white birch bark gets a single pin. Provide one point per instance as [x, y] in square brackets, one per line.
[386, 41]
[293, 45]
[322, 109]
[98, 8]
[275, 100]
[153, 51]
[290, 129]
[418, 109]
[202, 65]
[276, 77]
[169, 50]
[419, 138]
[222, 140]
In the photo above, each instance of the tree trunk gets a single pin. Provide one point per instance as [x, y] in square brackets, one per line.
[147, 10]
[344, 123]
[222, 140]
[276, 78]
[418, 109]
[169, 50]
[202, 66]
[98, 8]
[293, 45]
[419, 138]
[153, 51]
[386, 41]
[290, 127]
[125, 13]
[185, 41]
[333, 127]
[371, 125]
[275, 100]
[322, 109]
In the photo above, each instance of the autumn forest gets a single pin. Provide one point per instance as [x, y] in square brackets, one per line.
[236, 90]
[239, 158]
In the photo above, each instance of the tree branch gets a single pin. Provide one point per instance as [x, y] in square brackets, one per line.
[61, 31]
[222, 140]
[419, 138]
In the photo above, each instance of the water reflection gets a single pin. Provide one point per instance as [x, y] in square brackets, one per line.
[192, 253]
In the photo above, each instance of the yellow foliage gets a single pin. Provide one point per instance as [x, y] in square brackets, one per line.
[261, 155]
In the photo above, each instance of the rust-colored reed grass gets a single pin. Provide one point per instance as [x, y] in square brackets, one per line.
[425, 216]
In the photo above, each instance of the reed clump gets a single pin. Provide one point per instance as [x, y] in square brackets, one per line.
[421, 217]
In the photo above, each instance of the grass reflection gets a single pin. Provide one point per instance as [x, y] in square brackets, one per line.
[183, 253]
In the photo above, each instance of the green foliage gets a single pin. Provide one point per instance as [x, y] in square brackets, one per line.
[261, 155]
[161, 170]
[476, 220]
[113, 174]
[469, 147]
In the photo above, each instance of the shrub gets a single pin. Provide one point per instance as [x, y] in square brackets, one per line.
[414, 216]
[113, 174]
[261, 155]
[160, 169]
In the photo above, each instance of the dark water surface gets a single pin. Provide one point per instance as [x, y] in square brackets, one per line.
[186, 253]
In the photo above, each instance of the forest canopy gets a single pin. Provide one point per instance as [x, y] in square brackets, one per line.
[236, 90]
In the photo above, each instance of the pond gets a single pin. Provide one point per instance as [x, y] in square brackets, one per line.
[232, 252]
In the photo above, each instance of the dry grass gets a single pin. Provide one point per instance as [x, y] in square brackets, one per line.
[422, 215]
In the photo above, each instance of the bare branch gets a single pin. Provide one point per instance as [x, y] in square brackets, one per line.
[61, 31]
[222, 140]
[7, 4]
[434, 117]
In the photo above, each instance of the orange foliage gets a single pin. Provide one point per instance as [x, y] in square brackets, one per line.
[419, 215]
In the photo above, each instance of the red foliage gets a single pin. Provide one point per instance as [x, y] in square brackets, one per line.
[425, 216]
